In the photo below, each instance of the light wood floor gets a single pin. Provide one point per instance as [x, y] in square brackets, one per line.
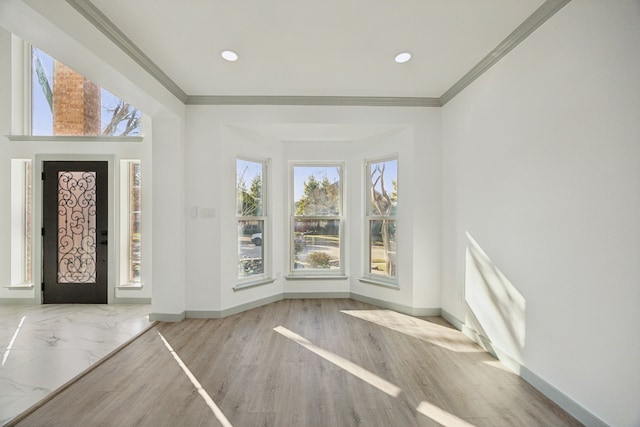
[303, 363]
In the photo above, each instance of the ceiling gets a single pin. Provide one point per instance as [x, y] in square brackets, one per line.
[297, 52]
[311, 48]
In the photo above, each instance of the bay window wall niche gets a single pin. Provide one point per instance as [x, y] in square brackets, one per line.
[251, 217]
[382, 208]
[316, 220]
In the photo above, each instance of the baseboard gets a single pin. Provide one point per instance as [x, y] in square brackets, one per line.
[203, 314]
[143, 301]
[455, 322]
[558, 397]
[561, 399]
[412, 311]
[216, 314]
[166, 317]
[18, 301]
[316, 295]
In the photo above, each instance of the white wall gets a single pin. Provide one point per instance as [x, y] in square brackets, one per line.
[541, 167]
[216, 135]
[66, 35]
[11, 88]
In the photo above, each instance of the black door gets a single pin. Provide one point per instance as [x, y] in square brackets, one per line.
[75, 220]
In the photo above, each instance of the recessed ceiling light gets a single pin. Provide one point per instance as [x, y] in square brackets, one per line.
[229, 55]
[403, 57]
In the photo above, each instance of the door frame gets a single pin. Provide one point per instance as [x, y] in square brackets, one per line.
[37, 259]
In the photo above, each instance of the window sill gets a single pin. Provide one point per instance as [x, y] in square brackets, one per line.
[20, 287]
[316, 277]
[74, 138]
[253, 283]
[130, 286]
[379, 282]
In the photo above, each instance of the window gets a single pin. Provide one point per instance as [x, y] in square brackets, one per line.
[65, 103]
[131, 213]
[316, 220]
[251, 216]
[21, 222]
[382, 208]
[134, 221]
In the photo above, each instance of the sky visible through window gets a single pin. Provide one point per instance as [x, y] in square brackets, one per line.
[301, 175]
[390, 173]
[247, 171]
[42, 117]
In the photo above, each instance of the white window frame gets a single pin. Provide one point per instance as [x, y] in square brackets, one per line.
[341, 218]
[369, 277]
[21, 223]
[265, 276]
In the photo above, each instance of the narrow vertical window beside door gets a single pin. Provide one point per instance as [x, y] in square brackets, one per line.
[130, 223]
[21, 222]
[135, 211]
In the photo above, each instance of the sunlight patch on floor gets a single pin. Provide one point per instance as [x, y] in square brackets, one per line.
[439, 335]
[441, 416]
[5, 356]
[212, 405]
[355, 370]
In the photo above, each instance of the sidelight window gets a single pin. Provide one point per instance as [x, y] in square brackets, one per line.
[21, 222]
[131, 222]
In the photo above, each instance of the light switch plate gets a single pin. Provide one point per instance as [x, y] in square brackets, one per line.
[207, 213]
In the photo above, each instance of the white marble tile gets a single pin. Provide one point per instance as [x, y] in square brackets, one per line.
[10, 406]
[54, 343]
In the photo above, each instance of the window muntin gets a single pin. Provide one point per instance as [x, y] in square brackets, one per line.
[382, 207]
[251, 217]
[316, 221]
[81, 107]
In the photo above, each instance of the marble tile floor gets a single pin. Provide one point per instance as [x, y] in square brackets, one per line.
[44, 346]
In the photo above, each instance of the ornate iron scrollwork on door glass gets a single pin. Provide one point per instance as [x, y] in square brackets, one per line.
[76, 227]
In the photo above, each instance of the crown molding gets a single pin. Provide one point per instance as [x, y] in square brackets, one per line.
[113, 33]
[109, 29]
[536, 19]
[340, 101]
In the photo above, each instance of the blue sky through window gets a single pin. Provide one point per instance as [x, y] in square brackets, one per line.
[42, 117]
[301, 175]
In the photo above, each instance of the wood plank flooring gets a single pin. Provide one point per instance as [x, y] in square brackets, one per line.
[326, 365]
